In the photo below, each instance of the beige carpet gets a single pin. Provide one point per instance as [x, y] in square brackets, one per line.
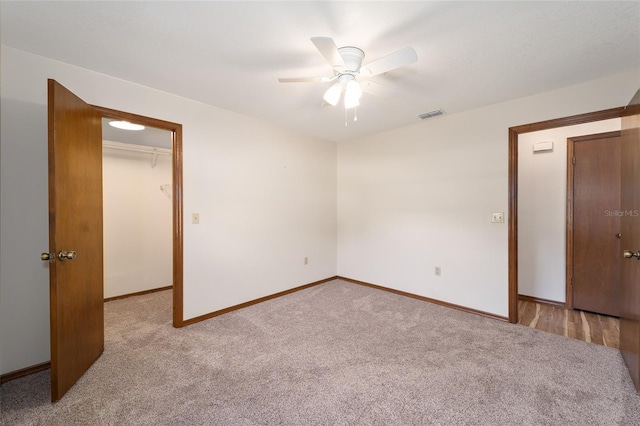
[335, 354]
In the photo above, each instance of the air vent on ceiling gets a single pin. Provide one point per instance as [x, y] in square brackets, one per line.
[431, 114]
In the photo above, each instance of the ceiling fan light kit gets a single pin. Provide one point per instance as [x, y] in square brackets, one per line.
[347, 63]
[352, 91]
[333, 93]
[352, 94]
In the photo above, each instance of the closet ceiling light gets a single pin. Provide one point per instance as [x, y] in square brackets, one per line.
[125, 125]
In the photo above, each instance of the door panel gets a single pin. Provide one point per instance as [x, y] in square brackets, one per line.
[596, 223]
[75, 224]
[630, 225]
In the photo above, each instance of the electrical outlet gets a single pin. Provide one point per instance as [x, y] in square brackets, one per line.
[306, 260]
[497, 217]
[438, 271]
[195, 218]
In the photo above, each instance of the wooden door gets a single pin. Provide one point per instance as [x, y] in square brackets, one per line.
[630, 267]
[595, 193]
[75, 225]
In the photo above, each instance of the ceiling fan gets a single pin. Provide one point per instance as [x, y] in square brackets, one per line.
[349, 73]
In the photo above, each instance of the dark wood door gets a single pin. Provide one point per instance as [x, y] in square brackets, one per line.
[596, 223]
[630, 267]
[75, 225]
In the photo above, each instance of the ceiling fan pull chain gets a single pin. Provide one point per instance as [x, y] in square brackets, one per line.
[355, 114]
[346, 122]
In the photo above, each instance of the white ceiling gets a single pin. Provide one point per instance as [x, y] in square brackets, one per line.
[230, 54]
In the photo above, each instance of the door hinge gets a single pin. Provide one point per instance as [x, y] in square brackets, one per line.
[573, 160]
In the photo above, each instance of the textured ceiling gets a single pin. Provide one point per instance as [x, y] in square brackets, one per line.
[230, 54]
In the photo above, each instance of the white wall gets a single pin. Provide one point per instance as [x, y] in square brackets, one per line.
[266, 198]
[137, 218]
[422, 196]
[542, 209]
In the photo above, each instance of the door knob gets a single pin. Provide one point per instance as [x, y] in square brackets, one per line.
[48, 256]
[628, 254]
[66, 255]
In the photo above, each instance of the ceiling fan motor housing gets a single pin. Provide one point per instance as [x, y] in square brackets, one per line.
[352, 57]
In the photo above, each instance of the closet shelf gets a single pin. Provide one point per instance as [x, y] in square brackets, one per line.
[154, 151]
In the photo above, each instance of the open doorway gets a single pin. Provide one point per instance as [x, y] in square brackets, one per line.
[514, 133]
[171, 191]
[136, 194]
[541, 238]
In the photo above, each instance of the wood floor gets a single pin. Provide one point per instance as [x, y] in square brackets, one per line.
[580, 325]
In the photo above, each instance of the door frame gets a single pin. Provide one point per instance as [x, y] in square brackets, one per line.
[569, 225]
[176, 199]
[514, 132]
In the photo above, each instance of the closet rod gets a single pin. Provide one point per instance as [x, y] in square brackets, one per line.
[136, 148]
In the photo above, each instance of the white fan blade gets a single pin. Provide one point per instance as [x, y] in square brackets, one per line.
[327, 47]
[390, 62]
[377, 89]
[305, 80]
